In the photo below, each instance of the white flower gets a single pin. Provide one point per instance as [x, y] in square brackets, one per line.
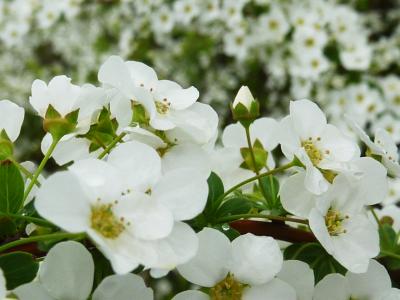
[356, 55]
[163, 20]
[67, 272]
[393, 195]
[383, 146]
[244, 97]
[308, 64]
[165, 101]
[237, 43]
[374, 284]
[185, 10]
[245, 268]
[343, 228]
[90, 198]
[183, 190]
[307, 38]
[65, 98]
[273, 26]
[11, 118]
[319, 146]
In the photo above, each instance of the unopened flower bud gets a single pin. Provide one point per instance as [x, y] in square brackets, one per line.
[244, 97]
[245, 108]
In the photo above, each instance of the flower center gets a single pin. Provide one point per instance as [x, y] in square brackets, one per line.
[312, 151]
[105, 222]
[162, 107]
[227, 289]
[333, 222]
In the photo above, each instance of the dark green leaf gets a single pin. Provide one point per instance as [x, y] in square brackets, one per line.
[318, 259]
[215, 191]
[270, 189]
[228, 231]
[18, 268]
[11, 188]
[7, 227]
[388, 243]
[234, 206]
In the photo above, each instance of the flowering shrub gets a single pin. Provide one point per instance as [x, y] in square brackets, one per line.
[273, 209]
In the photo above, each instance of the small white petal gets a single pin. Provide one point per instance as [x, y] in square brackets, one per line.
[67, 271]
[332, 287]
[192, 295]
[123, 287]
[295, 198]
[272, 290]
[210, 265]
[371, 283]
[32, 291]
[300, 276]
[62, 201]
[11, 118]
[183, 191]
[255, 259]
[308, 119]
[139, 165]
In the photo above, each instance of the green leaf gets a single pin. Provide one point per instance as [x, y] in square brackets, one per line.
[389, 244]
[19, 268]
[228, 231]
[215, 191]
[7, 227]
[270, 188]
[234, 206]
[11, 188]
[315, 255]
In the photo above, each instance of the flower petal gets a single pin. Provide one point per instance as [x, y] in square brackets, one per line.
[255, 259]
[332, 287]
[139, 165]
[62, 201]
[272, 290]
[123, 287]
[67, 271]
[183, 191]
[11, 118]
[210, 265]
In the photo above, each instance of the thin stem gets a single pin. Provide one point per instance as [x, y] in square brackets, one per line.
[38, 238]
[240, 184]
[111, 145]
[375, 216]
[269, 217]
[390, 254]
[253, 158]
[29, 219]
[41, 167]
[23, 170]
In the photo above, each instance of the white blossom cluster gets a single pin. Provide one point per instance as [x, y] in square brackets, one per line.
[136, 155]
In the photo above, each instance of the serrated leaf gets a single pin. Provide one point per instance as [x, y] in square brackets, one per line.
[318, 259]
[19, 268]
[11, 188]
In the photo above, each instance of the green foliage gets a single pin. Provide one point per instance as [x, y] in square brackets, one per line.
[11, 188]
[318, 259]
[260, 156]
[390, 247]
[19, 268]
[103, 132]
[234, 206]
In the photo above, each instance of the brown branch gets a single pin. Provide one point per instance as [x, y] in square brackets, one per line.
[277, 230]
